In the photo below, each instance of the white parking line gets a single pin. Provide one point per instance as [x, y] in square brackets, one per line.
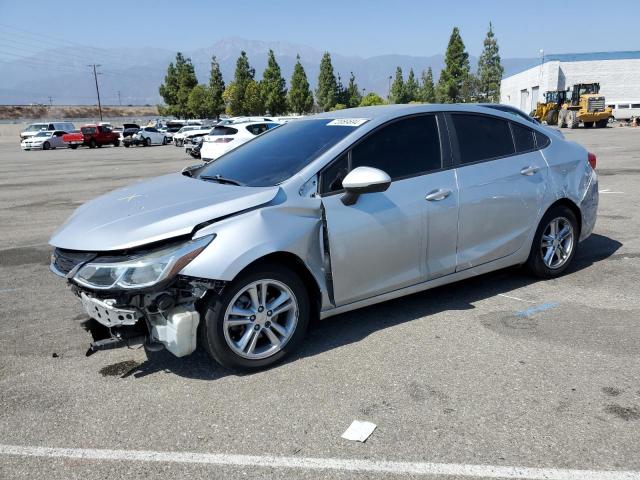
[309, 463]
[515, 298]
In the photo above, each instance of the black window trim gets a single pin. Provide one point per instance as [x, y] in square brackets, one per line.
[513, 137]
[456, 149]
[446, 159]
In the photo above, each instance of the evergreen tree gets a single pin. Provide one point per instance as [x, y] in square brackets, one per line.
[200, 102]
[411, 88]
[370, 99]
[342, 95]
[490, 69]
[354, 97]
[327, 85]
[427, 89]
[254, 99]
[243, 76]
[398, 94]
[216, 88]
[228, 96]
[300, 98]
[274, 87]
[456, 71]
[178, 83]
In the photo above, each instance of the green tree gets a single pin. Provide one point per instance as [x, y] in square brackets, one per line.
[228, 96]
[354, 97]
[342, 96]
[200, 102]
[456, 71]
[216, 88]
[253, 99]
[274, 87]
[327, 84]
[243, 77]
[300, 98]
[411, 88]
[398, 92]
[178, 83]
[427, 89]
[371, 99]
[489, 69]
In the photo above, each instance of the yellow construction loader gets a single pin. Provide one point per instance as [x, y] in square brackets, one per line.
[584, 104]
[547, 111]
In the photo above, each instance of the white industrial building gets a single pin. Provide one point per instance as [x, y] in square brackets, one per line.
[618, 74]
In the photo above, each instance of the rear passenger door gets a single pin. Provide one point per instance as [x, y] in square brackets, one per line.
[502, 180]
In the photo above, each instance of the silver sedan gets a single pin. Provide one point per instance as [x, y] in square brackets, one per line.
[321, 216]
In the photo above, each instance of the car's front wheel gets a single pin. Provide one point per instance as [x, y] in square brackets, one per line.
[258, 319]
[555, 243]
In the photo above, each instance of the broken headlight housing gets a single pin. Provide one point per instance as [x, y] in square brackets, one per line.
[140, 271]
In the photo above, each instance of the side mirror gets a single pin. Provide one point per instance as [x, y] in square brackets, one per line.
[363, 180]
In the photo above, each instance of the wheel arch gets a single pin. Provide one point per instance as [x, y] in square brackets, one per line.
[571, 205]
[297, 265]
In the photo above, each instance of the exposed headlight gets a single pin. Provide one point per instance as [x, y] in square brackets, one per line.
[142, 271]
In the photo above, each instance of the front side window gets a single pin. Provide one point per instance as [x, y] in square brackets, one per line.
[272, 158]
[407, 147]
[481, 137]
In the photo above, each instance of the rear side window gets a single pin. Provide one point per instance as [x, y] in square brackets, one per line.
[523, 137]
[223, 131]
[542, 141]
[481, 137]
[257, 129]
[406, 147]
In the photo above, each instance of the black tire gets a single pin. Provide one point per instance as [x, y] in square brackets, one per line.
[126, 145]
[46, 146]
[116, 143]
[602, 123]
[552, 117]
[73, 147]
[588, 124]
[535, 262]
[212, 316]
[92, 143]
[147, 142]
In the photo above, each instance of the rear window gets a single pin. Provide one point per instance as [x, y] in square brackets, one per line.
[523, 137]
[223, 131]
[481, 137]
[280, 153]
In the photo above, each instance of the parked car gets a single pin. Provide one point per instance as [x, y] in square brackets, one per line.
[193, 146]
[148, 136]
[34, 128]
[92, 136]
[321, 216]
[224, 138]
[44, 140]
[178, 138]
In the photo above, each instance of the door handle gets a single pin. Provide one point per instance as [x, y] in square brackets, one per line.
[439, 194]
[529, 170]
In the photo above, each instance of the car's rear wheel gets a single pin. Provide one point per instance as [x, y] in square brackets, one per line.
[73, 147]
[147, 142]
[555, 243]
[92, 143]
[257, 320]
[46, 146]
[116, 143]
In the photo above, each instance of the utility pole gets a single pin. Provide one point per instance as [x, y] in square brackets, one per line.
[50, 101]
[389, 90]
[119, 98]
[95, 77]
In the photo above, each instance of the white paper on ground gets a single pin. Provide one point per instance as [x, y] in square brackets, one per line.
[359, 431]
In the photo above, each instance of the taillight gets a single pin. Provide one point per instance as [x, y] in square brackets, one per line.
[592, 160]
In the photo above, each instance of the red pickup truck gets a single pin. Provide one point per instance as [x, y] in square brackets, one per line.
[92, 136]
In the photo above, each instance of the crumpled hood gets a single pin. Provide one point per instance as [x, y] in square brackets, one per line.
[157, 209]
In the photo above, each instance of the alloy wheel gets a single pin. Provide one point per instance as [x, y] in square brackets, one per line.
[557, 242]
[260, 319]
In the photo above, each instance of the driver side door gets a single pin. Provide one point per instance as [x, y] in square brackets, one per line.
[380, 243]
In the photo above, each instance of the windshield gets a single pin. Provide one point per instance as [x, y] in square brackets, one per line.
[275, 156]
[37, 126]
[186, 129]
[43, 134]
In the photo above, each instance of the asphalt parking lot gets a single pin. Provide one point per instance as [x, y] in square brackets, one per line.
[463, 381]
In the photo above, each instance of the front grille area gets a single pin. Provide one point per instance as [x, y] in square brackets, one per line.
[66, 260]
[596, 104]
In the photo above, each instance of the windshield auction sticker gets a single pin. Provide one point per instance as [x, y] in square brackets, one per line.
[347, 122]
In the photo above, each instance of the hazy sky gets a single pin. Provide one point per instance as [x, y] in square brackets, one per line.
[356, 27]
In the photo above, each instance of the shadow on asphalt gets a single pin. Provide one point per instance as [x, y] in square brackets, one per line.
[354, 326]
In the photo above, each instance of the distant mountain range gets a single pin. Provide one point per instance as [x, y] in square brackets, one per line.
[137, 72]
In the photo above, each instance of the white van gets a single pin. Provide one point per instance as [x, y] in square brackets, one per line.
[34, 128]
[625, 109]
